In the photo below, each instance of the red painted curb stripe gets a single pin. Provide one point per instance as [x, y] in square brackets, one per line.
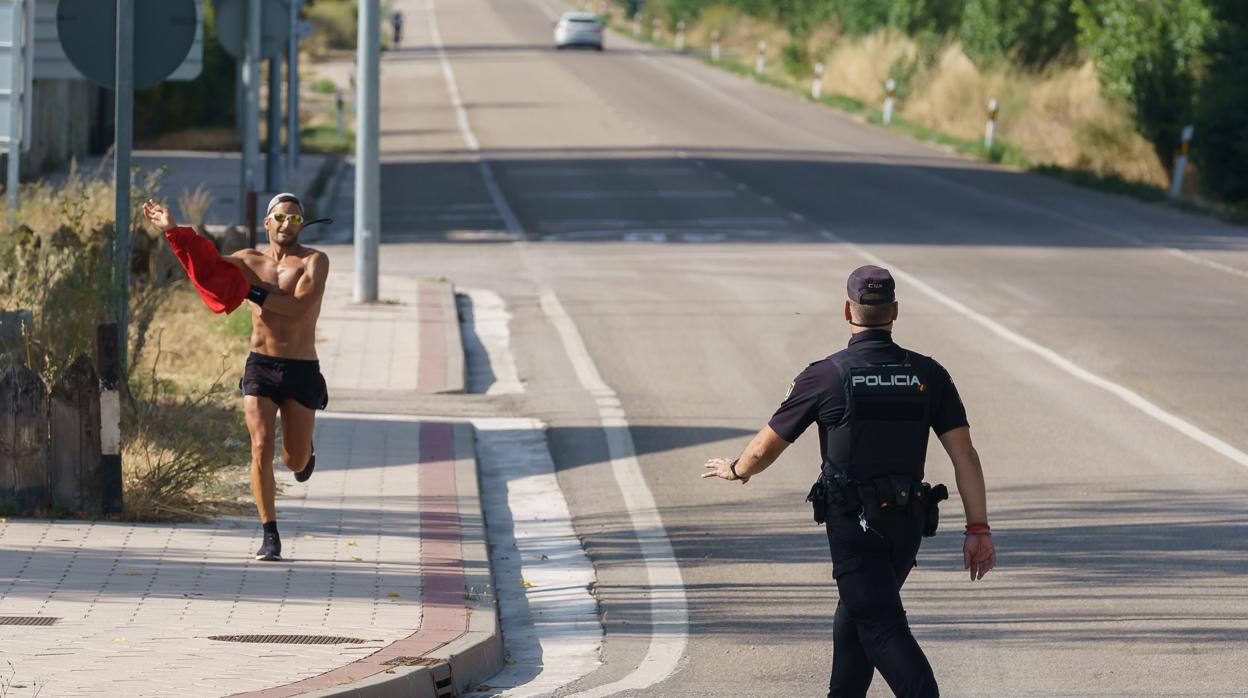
[445, 615]
[431, 374]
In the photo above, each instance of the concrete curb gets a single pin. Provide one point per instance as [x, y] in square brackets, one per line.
[456, 366]
[442, 365]
[463, 663]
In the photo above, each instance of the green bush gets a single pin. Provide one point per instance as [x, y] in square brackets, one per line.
[1146, 53]
[1032, 32]
[324, 86]
[335, 22]
[860, 17]
[208, 100]
[1221, 147]
[930, 16]
[796, 59]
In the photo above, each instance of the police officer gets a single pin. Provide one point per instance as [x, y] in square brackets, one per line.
[874, 403]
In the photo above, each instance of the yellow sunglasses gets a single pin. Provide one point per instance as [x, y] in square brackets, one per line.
[294, 218]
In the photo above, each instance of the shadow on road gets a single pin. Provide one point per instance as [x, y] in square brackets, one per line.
[745, 195]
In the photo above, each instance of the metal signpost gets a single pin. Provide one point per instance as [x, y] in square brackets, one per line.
[253, 30]
[367, 168]
[273, 153]
[292, 93]
[98, 37]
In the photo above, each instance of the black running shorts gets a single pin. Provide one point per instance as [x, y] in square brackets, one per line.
[285, 379]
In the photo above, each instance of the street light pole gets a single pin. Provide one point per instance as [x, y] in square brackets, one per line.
[292, 95]
[251, 101]
[367, 152]
[124, 136]
[273, 153]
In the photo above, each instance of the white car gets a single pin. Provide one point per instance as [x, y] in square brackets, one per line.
[578, 29]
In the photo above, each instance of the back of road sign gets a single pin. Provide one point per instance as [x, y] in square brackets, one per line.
[274, 27]
[51, 63]
[163, 33]
[14, 72]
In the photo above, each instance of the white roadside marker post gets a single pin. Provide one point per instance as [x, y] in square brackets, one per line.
[816, 86]
[637, 25]
[890, 98]
[760, 62]
[657, 30]
[990, 130]
[714, 44]
[680, 35]
[1180, 161]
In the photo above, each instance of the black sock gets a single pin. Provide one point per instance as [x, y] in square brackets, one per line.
[270, 527]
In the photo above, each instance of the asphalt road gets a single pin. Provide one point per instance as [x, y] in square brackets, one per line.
[698, 229]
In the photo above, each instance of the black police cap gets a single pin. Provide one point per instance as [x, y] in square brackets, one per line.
[871, 285]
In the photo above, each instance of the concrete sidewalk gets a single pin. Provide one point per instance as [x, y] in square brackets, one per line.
[387, 585]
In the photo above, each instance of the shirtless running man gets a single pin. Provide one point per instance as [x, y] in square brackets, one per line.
[282, 373]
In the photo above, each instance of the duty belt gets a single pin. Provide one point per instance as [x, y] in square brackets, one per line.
[834, 493]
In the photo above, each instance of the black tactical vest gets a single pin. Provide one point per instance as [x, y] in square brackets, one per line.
[886, 422]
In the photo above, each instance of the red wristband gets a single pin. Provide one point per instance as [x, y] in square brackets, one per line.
[978, 528]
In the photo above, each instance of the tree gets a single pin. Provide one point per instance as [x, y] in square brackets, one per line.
[208, 100]
[1221, 149]
[1146, 52]
[1034, 32]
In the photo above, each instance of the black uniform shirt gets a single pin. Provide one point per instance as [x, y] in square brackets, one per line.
[818, 392]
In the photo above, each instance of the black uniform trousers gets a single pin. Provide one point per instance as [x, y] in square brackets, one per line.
[870, 630]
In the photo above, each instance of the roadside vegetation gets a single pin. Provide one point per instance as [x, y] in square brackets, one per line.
[200, 114]
[185, 453]
[1094, 91]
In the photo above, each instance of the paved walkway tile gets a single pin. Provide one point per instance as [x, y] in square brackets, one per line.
[136, 604]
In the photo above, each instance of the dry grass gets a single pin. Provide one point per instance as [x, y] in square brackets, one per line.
[1058, 116]
[211, 138]
[195, 205]
[186, 455]
[859, 68]
[182, 433]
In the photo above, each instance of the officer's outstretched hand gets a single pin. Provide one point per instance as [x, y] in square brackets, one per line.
[978, 555]
[722, 467]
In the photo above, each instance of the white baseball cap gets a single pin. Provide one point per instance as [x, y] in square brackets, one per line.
[283, 198]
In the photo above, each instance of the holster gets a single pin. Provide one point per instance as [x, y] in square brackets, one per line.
[833, 495]
[818, 499]
[932, 497]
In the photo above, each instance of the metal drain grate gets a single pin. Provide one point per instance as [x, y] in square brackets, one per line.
[28, 620]
[290, 639]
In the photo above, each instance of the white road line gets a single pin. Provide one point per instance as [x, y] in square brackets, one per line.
[589, 195]
[1125, 394]
[465, 128]
[668, 606]
[528, 172]
[543, 579]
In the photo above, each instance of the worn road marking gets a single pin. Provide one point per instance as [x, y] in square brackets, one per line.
[465, 128]
[668, 607]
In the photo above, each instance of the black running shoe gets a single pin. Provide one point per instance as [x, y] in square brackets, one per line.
[271, 550]
[303, 475]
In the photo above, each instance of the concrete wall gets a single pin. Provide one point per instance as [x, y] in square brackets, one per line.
[64, 118]
[65, 113]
